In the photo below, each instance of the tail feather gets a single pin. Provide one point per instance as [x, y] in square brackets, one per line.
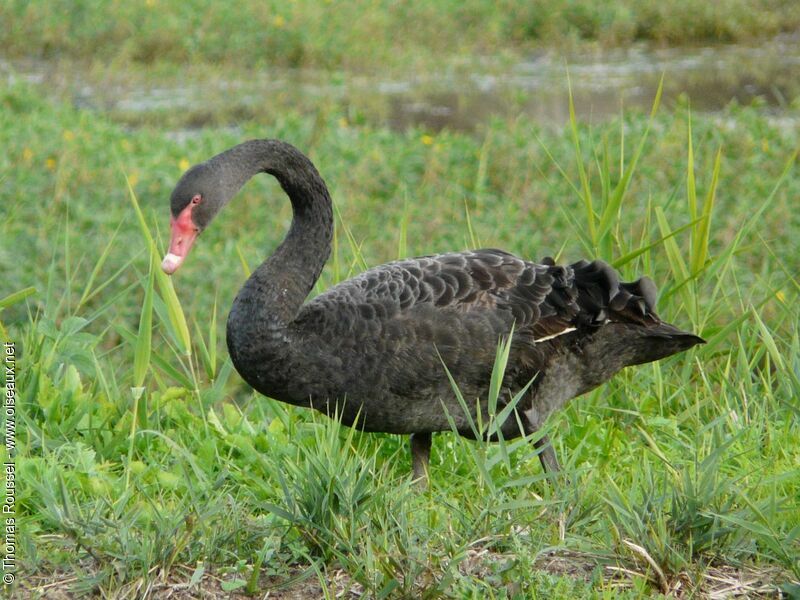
[590, 295]
[602, 297]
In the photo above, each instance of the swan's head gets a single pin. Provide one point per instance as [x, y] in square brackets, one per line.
[195, 201]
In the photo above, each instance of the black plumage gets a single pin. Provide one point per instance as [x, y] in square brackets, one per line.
[373, 347]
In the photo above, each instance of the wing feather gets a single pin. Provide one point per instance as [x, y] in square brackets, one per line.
[542, 300]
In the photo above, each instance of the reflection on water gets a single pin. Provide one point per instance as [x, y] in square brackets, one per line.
[602, 85]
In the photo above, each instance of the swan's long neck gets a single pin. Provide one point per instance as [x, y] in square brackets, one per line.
[272, 296]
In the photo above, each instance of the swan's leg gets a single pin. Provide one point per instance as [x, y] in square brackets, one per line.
[533, 422]
[547, 455]
[420, 457]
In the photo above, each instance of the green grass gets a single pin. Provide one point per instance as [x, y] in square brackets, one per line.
[366, 34]
[143, 460]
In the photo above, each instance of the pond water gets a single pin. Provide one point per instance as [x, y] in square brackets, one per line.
[462, 98]
[603, 85]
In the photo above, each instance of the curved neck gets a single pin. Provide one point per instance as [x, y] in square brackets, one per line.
[274, 293]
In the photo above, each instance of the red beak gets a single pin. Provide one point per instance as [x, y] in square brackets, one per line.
[184, 233]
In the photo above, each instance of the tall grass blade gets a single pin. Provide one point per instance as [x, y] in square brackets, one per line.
[355, 247]
[577, 228]
[480, 174]
[460, 399]
[174, 311]
[402, 240]
[677, 264]
[734, 324]
[212, 340]
[769, 342]
[722, 260]
[111, 279]
[243, 260]
[97, 267]
[174, 308]
[611, 210]
[141, 355]
[702, 231]
[17, 297]
[498, 372]
[208, 352]
[626, 258]
[335, 262]
[691, 191]
[505, 413]
[586, 192]
[473, 239]
[204, 355]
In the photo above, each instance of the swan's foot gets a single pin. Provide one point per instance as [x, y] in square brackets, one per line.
[547, 455]
[420, 457]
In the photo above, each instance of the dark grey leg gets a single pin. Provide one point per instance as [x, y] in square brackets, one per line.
[420, 456]
[547, 455]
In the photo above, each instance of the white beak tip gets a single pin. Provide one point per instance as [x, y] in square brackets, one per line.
[171, 263]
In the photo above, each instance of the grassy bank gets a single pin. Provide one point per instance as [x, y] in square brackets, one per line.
[142, 467]
[367, 35]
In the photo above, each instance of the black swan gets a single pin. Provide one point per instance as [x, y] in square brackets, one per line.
[372, 348]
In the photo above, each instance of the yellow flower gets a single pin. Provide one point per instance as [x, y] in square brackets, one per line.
[183, 164]
[765, 145]
[149, 3]
[781, 296]
[50, 163]
[27, 154]
[68, 135]
[133, 178]
[278, 21]
[342, 122]
[427, 140]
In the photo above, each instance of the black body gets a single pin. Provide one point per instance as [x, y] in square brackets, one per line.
[373, 346]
